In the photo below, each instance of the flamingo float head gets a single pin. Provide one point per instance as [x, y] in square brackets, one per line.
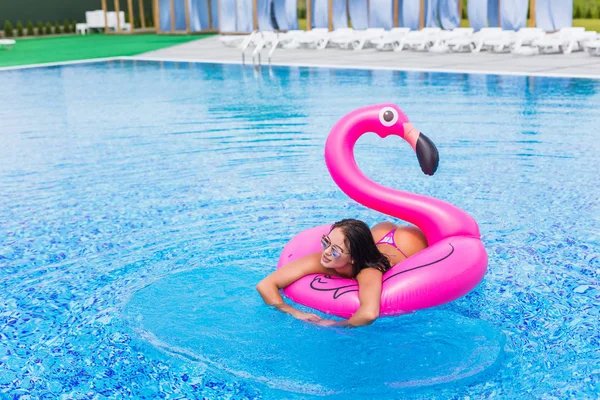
[387, 119]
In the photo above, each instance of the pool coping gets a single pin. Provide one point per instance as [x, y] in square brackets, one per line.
[301, 64]
[58, 63]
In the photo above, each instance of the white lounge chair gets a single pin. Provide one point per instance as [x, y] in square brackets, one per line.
[82, 28]
[232, 40]
[280, 39]
[309, 38]
[565, 41]
[358, 38]
[7, 44]
[331, 37]
[499, 43]
[523, 39]
[239, 41]
[474, 42]
[294, 39]
[521, 42]
[593, 46]
[440, 45]
[419, 40]
[391, 39]
[288, 39]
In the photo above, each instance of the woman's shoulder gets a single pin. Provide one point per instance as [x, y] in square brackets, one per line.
[369, 276]
[311, 264]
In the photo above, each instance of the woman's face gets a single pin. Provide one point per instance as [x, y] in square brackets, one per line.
[334, 246]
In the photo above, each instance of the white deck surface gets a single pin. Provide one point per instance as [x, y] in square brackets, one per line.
[577, 64]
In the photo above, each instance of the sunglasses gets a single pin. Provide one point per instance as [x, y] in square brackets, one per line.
[336, 251]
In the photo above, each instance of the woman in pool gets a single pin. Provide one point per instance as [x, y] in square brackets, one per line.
[350, 250]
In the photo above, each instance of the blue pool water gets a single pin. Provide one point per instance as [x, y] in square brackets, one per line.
[141, 202]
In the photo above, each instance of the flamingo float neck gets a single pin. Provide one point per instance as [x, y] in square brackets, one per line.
[436, 218]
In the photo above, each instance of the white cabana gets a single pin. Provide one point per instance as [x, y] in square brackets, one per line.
[286, 14]
[237, 16]
[552, 15]
[419, 14]
[330, 14]
[359, 13]
[513, 14]
[372, 13]
[449, 13]
[411, 11]
[381, 14]
[187, 16]
[244, 16]
[508, 14]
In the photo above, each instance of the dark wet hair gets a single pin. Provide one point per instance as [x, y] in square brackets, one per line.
[361, 245]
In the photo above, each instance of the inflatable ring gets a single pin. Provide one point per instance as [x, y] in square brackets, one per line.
[451, 266]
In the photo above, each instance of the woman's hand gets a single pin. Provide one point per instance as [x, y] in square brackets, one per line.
[327, 322]
[308, 317]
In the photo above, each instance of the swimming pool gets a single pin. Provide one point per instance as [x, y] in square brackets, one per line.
[142, 202]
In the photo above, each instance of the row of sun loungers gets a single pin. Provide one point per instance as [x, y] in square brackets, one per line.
[526, 41]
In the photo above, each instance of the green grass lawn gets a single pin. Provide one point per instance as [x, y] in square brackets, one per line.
[68, 48]
[588, 24]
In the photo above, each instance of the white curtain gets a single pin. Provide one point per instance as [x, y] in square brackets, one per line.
[411, 13]
[264, 15]
[513, 14]
[286, 14]
[340, 14]
[358, 14]
[552, 15]
[227, 23]
[244, 16]
[381, 14]
[431, 13]
[198, 16]
[180, 24]
[215, 13]
[493, 13]
[477, 10]
[448, 14]
[319, 14]
[562, 13]
[164, 15]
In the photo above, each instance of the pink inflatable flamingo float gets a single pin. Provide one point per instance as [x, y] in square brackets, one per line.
[452, 265]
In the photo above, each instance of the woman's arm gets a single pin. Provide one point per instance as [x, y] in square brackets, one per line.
[369, 293]
[285, 276]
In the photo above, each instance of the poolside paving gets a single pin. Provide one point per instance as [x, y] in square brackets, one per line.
[577, 64]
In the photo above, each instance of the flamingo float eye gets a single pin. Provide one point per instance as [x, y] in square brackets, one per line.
[388, 116]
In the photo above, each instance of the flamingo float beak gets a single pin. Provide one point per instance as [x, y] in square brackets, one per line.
[427, 154]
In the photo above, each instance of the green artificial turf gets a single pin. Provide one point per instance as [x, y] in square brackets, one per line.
[69, 48]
